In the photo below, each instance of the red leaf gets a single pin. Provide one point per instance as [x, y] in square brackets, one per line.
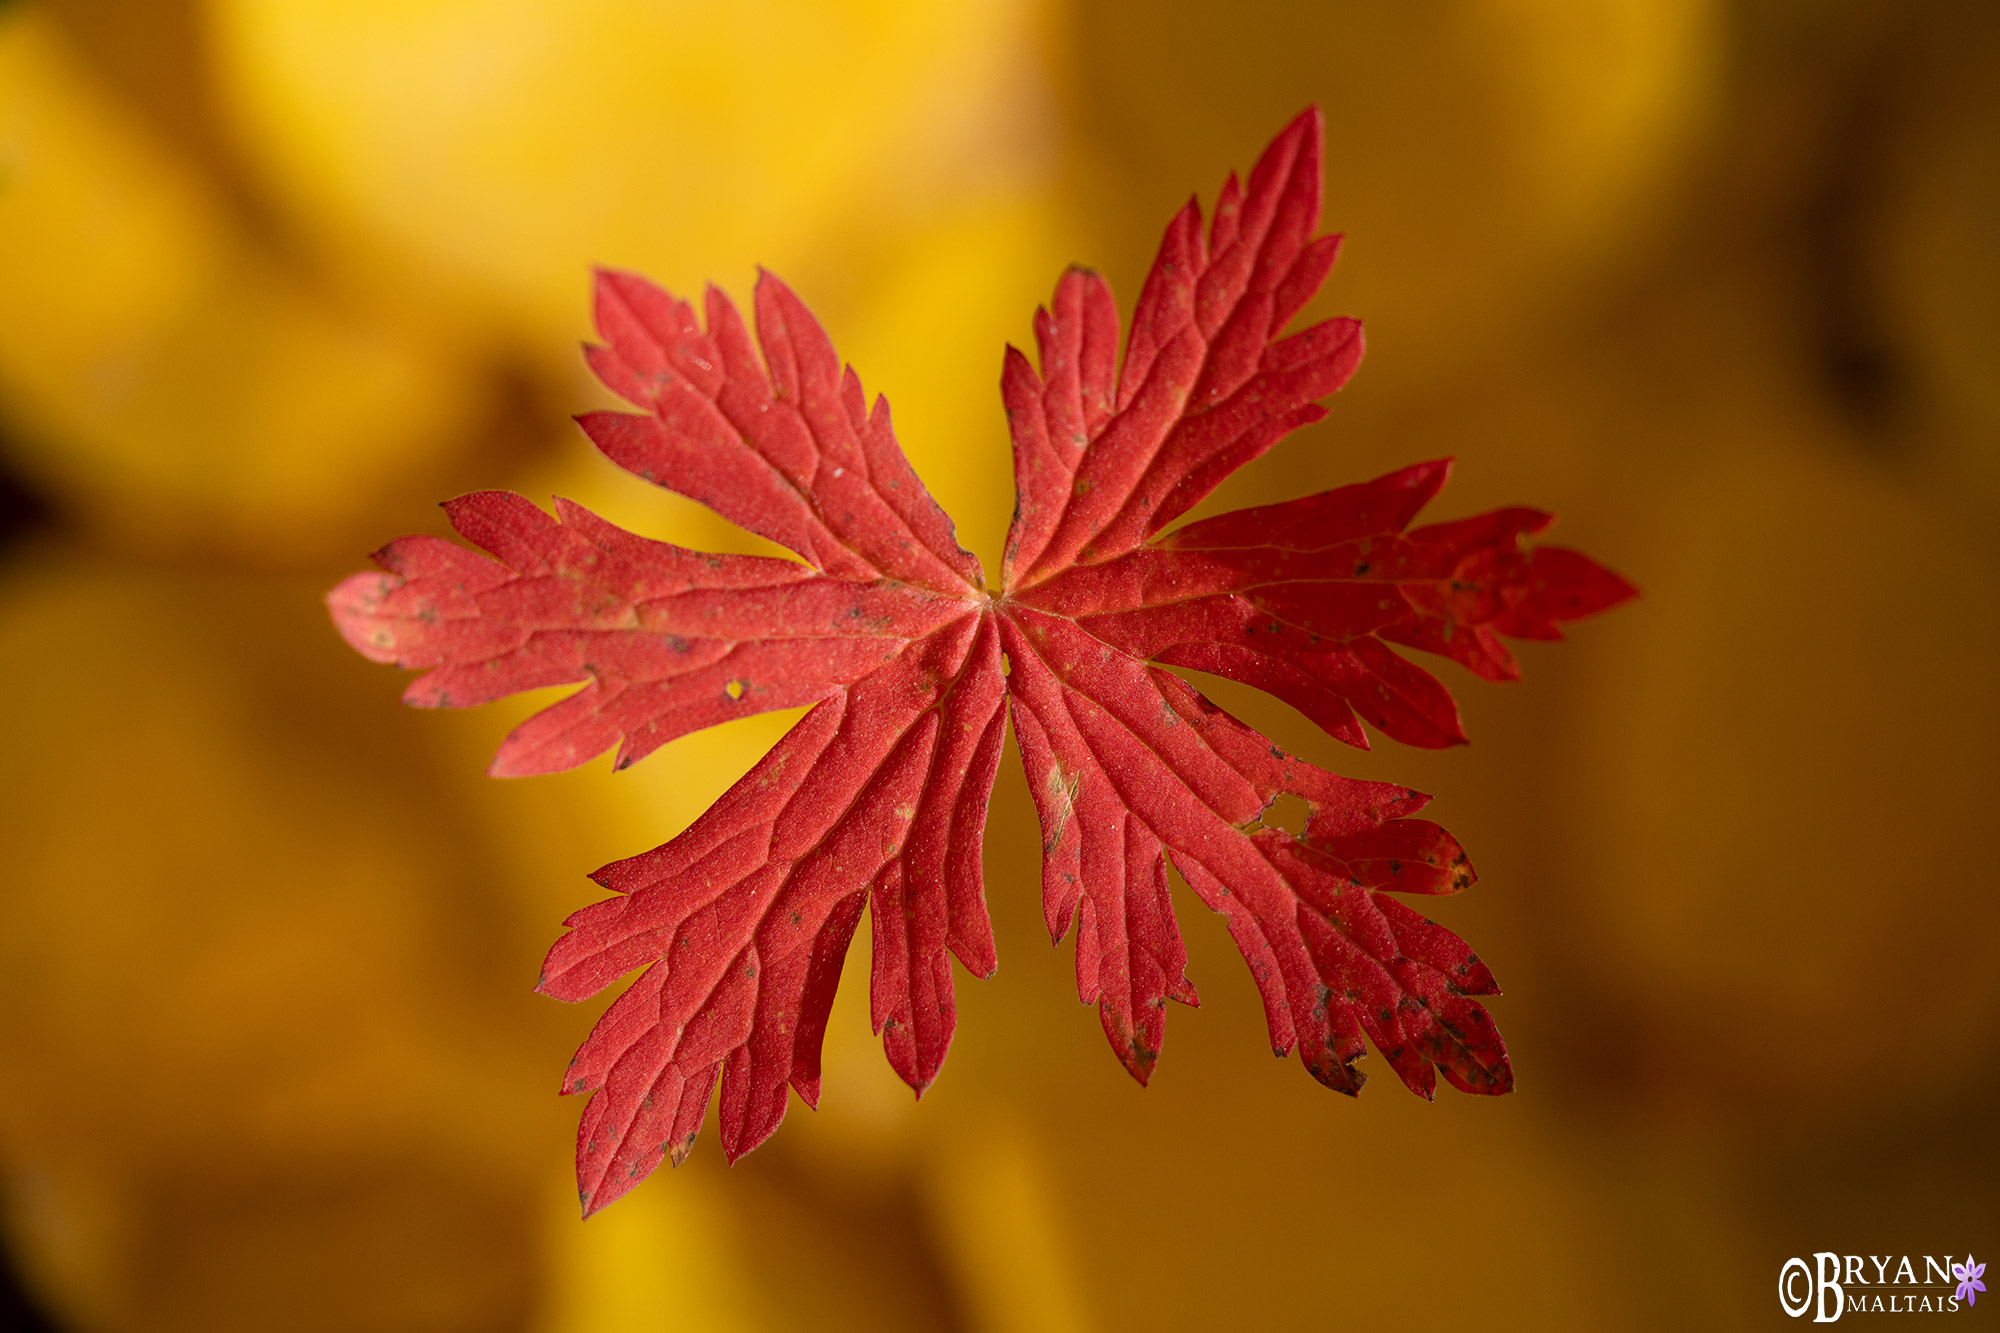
[878, 796]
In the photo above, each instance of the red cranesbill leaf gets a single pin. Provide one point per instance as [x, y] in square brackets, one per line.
[911, 665]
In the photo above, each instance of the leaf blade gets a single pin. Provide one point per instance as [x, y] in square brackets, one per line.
[876, 800]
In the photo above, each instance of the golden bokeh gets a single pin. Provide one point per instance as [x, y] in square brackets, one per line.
[1716, 280]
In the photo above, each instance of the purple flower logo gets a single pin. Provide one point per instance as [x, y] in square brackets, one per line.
[1968, 1275]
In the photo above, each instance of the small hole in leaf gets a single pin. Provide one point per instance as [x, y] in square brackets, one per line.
[1289, 813]
[735, 689]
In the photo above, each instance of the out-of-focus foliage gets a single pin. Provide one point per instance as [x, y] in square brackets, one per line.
[159, 365]
[1715, 279]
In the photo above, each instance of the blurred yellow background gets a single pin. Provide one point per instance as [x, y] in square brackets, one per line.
[1717, 280]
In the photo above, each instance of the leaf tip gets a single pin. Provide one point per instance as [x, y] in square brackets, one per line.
[507, 765]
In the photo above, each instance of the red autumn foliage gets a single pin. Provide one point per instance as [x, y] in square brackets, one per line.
[912, 665]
